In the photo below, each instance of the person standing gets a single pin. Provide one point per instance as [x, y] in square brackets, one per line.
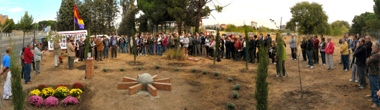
[71, 53]
[37, 57]
[373, 70]
[121, 44]
[329, 53]
[28, 56]
[186, 45]
[106, 43]
[113, 46]
[280, 57]
[82, 47]
[293, 47]
[322, 46]
[361, 55]
[57, 52]
[252, 49]
[344, 54]
[309, 51]
[99, 49]
[315, 50]
[158, 45]
[303, 48]
[5, 69]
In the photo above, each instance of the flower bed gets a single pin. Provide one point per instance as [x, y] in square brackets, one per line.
[55, 95]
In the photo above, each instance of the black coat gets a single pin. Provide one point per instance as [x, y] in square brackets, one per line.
[361, 56]
[309, 45]
[252, 45]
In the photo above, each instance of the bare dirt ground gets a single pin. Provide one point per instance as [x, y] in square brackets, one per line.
[322, 89]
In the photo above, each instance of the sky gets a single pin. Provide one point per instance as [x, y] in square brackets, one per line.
[238, 12]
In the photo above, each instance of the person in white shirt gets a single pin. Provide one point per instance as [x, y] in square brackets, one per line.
[185, 43]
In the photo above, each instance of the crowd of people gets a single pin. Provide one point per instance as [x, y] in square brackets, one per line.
[364, 53]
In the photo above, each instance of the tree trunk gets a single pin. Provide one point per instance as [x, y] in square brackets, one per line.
[23, 39]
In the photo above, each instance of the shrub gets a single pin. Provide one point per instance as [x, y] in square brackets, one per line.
[178, 54]
[176, 69]
[61, 92]
[78, 85]
[139, 68]
[51, 102]
[236, 87]
[230, 106]
[104, 69]
[229, 79]
[70, 100]
[216, 73]
[60, 85]
[193, 70]
[76, 93]
[261, 92]
[41, 86]
[204, 72]
[158, 67]
[35, 92]
[235, 94]
[46, 92]
[121, 69]
[36, 101]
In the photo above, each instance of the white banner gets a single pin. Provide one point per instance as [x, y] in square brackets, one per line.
[66, 34]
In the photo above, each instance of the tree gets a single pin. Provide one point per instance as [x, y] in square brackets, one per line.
[86, 12]
[26, 25]
[246, 40]
[261, 92]
[155, 10]
[111, 11]
[66, 16]
[309, 16]
[177, 9]
[359, 23]
[127, 25]
[18, 96]
[376, 8]
[46, 23]
[144, 26]
[10, 27]
[202, 10]
[339, 27]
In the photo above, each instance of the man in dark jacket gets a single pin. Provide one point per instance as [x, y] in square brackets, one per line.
[309, 51]
[361, 55]
[229, 46]
[303, 48]
[252, 49]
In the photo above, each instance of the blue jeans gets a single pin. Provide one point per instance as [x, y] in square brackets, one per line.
[345, 61]
[27, 70]
[151, 49]
[143, 49]
[323, 56]
[374, 83]
[105, 52]
[159, 48]
[310, 57]
[121, 48]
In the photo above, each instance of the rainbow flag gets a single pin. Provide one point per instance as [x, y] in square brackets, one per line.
[77, 18]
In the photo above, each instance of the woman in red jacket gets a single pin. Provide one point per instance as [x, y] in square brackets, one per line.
[329, 53]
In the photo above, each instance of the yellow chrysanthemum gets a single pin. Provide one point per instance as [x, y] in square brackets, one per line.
[35, 92]
[76, 93]
[47, 91]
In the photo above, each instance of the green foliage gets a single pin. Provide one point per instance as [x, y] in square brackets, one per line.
[376, 8]
[360, 23]
[230, 106]
[104, 69]
[204, 72]
[45, 23]
[216, 73]
[176, 69]
[139, 68]
[236, 87]
[310, 18]
[10, 27]
[279, 53]
[233, 28]
[65, 18]
[235, 94]
[158, 66]
[193, 70]
[121, 69]
[229, 79]
[18, 96]
[339, 27]
[261, 92]
[26, 22]
[177, 9]
[217, 45]
[87, 42]
[247, 46]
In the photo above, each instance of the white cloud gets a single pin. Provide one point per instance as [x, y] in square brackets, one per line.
[15, 9]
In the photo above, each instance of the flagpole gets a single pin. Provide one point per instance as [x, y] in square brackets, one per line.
[74, 23]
